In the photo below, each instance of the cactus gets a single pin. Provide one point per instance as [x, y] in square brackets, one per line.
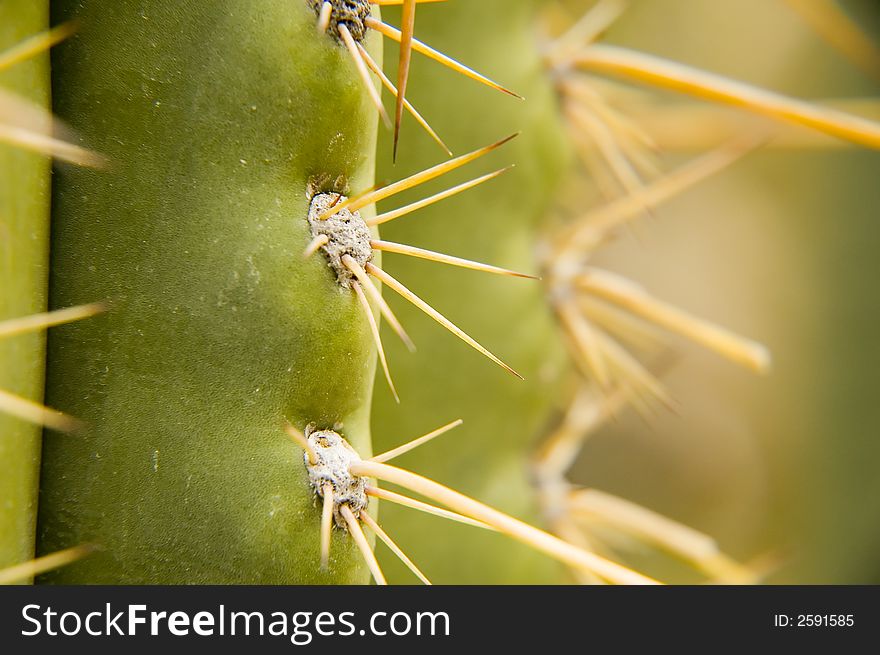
[229, 228]
[24, 251]
[180, 474]
[217, 325]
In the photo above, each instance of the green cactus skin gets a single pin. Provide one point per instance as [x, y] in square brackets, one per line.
[24, 252]
[215, 117]
[497, 223]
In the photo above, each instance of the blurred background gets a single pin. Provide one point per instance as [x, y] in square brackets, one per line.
[781, 248]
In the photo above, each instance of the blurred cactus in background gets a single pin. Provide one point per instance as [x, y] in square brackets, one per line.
[226, 178]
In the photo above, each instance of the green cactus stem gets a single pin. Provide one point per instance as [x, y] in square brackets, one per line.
[498, 223]
[24, 252]
[220, 121]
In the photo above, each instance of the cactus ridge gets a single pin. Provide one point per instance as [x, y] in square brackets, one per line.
[350, 13]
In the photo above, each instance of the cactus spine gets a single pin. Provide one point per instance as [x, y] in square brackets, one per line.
[499, 222]
[24, 251]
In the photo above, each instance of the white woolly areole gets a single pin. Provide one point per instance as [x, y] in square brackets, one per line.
[348, 234]
[335, 456]
[351, 13]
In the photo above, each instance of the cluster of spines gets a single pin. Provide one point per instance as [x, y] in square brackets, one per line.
[362, 285]
[459, 508]
[596, 307]
[405, 36]
[625, 149]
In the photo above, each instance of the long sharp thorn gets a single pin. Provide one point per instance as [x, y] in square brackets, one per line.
[371, 290]
[583, 335]
[586, 413]
[34, 45]
[611, 152]
[689, 126]
[587, 29]
[30, 126]
[388, 541]
[300, 440]
[415, 180]
[596, 170]
[397, 287]
[641, 335]
[695, 547]
[635, 518]
[47, 145]
[514, 528]
[27, 570]
[633, 298]
[324, 18]
[568, 530]
[364, 72]
[832, 23]
[426, 202]
[408, 26]
[316, 244]
[415, 443]
[371, 63]
[339, 204]
[25, 324]
[354, 528]
[631, 369]
[418, 46]
[597, 224]
[374, 328]
[326, 525]
[28, 410]
[622, 124]
[691, 81]
[421, 253]
[418, 505]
